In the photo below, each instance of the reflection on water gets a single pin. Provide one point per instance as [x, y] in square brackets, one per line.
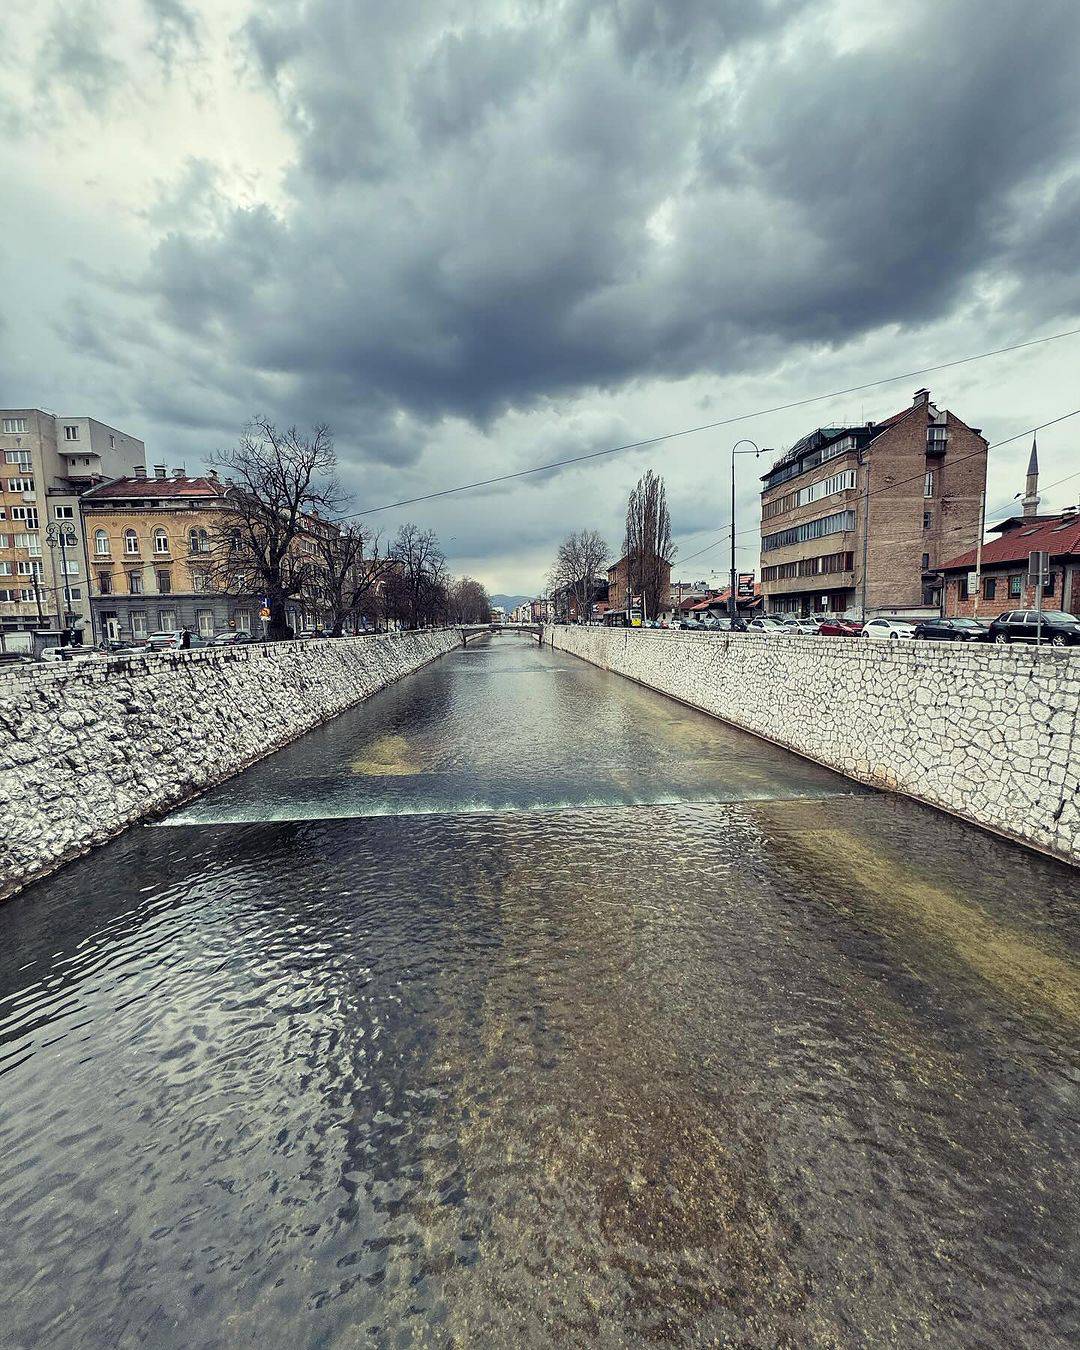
[797, 1071]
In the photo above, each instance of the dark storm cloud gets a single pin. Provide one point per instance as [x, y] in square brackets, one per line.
[562, 199]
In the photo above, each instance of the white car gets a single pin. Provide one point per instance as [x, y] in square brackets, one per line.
[767, 625]
[888, 629]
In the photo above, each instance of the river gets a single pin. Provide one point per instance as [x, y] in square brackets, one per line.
[521, 1006]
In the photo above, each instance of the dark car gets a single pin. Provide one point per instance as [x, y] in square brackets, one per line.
[840, 628]
[1028, 625]
[952, 630]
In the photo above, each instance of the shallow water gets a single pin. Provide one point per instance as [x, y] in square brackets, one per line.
[522, 1006]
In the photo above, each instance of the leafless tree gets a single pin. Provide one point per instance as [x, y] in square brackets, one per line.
[279, 491]
[648, 541]
[580, 560]
[347, 576]
[469, 601]
[417, 584]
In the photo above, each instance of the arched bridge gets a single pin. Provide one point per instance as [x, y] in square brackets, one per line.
[482, 629]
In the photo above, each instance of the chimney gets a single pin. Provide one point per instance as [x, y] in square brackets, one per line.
[178, 473]
[1031, 483]
[140, 471]
[922, 397]
[159, 471]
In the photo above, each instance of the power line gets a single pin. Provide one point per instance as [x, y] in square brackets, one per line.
[712, 426]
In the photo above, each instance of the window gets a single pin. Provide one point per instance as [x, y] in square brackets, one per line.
[989, 588]
[14, 426]
[199, 541]
[936, 437]
[20, 485]
[26, 513]
[101, 543]
[812, 529]
[131, 541]
[26, 541]
[205, 619]
[70, 594]
[1016, 587]
[28, 569]
[926, 562]
[105, 583]
[5, 540]
[161, 541]
[70, 568]
[243, 621]
[963, 588]
[164, 581]
[112, 441]
[5, 569]
[71, 433]
[138, 623]
[135, 585]
[64, 512]
[19, 457]
[928, 484]
[1048, 584]
[927, 519]
[166, 620]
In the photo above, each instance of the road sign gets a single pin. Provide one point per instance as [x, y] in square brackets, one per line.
[264, 613]
[972, 582]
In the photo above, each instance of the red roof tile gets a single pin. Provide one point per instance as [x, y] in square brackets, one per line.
[156, 487]
[1055, 535]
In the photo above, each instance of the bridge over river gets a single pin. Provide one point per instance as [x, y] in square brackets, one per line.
[521, 1006]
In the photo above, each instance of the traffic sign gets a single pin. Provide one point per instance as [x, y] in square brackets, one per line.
[264, 613]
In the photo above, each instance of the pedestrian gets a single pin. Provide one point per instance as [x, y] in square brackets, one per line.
[185, 640]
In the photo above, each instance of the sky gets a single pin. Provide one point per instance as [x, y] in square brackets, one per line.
[474, 237]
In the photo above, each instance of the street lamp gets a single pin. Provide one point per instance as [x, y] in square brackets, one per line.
[64, 535]
[732, 603]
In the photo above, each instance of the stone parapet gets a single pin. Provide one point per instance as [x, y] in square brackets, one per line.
[990, 734]
[90, 747]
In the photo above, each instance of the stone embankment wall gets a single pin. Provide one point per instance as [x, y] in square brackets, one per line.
[988, 733]
[91, 747]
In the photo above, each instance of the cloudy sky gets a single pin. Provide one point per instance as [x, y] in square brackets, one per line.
[478, 236]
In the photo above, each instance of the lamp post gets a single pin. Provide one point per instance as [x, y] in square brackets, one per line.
[63, 535]
[732, 601]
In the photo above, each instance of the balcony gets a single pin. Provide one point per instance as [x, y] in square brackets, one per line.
[823, 581]
[937, 445]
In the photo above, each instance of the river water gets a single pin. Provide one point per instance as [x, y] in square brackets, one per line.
[523, 1007]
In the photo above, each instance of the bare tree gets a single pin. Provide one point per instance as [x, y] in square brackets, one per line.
[418, 589]
[469, 602]
[649, 550]
[579, 562]
[279, 489]
[347, 577]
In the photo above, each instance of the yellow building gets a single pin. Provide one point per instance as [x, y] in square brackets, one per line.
[148, 540]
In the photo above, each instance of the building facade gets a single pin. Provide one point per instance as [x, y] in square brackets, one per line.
[48, 463]
[150, 540]
[618, 587]
[858, 519]
[983, 583]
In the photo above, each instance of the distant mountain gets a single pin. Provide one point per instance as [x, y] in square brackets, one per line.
[509, 602]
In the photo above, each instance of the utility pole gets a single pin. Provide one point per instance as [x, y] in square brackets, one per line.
[733, 604]
[978, 554]
[865, 537]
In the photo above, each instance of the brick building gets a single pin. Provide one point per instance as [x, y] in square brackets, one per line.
[618, 590]
[1000, 581]
[859, 518]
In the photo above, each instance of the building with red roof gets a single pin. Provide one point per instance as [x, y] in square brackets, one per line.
[985, 583]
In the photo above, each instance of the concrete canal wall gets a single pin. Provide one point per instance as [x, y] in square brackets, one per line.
[988, 733]
[91, 747]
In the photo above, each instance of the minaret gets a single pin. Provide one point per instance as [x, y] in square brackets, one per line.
[1031, 487]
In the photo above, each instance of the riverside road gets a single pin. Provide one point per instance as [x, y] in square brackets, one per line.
[521, 1006]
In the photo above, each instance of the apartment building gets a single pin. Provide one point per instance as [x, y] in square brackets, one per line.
[858, 519]
[150, 538]
[47, 462]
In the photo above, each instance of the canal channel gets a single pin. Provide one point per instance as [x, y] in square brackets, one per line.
[521, 1006]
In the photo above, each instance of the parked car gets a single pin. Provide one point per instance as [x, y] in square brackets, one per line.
[692, 621]
[889, 629]
[840, 628]
[170, 639]
[1024, 625]
[54, 655]
[15, 659]
[229, 639]
[766, 624]
[807, 625]
[952, 630]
